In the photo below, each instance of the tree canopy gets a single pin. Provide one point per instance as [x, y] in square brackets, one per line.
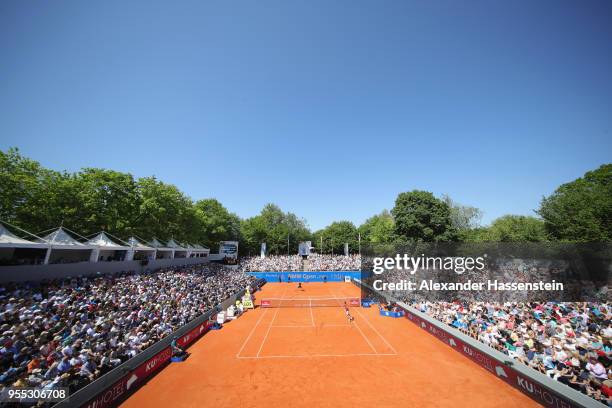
[279, 230]
[91, 200]
[510, 228]
[378, 229]
[420, 216]
[335, 235]
[581, 210]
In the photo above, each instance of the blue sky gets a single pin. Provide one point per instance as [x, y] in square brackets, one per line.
[327, 108]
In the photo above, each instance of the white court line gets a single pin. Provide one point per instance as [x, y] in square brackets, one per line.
[359, 328]
[251, 333]
[309, 325]
[311, 315]
[321, 355]
[271, 323]
[365, 337]
[375, 330]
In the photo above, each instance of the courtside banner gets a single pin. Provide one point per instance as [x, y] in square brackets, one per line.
[190, 337]
[536, 391]
[305, 276]
[131, 380]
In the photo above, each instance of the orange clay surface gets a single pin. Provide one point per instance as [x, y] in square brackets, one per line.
[313, 357]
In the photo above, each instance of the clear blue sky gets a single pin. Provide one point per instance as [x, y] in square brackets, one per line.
[327, 108]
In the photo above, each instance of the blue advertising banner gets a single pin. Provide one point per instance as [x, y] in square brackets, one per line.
[305, 276]
[389, 313]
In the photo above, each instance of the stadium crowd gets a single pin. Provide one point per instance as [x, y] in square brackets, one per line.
[288, 263]
[569, 342]
[271, 263]
[66, 333]
[334, 262]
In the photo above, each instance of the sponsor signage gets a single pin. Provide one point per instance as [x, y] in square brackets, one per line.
[190, 337]
[354, 302]
[306, 276]
[533, 389]
[304, 248]
[115, 392]
[228, 249]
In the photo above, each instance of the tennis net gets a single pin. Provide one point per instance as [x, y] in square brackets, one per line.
[311, 302]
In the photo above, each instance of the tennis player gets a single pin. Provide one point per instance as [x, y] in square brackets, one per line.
[348, 313]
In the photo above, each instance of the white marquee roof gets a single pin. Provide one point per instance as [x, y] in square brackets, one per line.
[102, 240]
[61, 237]
[138, 246]
[172, 244]
[8, 240]
[155, 243]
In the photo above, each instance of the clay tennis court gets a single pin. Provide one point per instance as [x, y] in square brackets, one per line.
[314, 357]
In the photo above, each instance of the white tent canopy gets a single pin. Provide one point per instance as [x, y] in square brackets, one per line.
[18, 251]
[65, 249]
[174, 245]
[162, 251]
[155, 243]
[10, 240]
[61, 237]
[104, 242]
[136, 245]
[61, 246]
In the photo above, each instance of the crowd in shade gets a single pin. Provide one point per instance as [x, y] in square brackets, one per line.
[569, 342]
[314, 262]
[66, 333]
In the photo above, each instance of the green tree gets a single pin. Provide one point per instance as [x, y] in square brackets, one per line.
[463, 217]
[515, 228]
[253, 232]
[581, 210]
[109, 201]
[378, 229]
[420, 216]
[55, 202]
[217, 223]
[336, 235]
[276, 229]
[165, 212]
[478, 234]
[20, 179]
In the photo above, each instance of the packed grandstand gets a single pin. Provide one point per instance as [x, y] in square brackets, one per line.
[68, 332]
[71, 331]
[291, 263]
